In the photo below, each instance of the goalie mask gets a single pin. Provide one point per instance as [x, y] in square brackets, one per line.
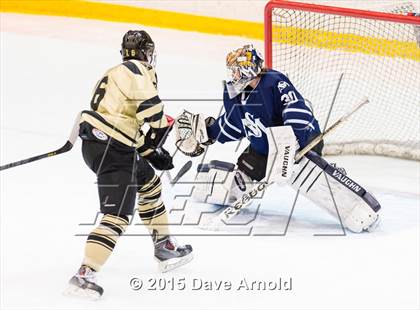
[137, 44]
[243, 65]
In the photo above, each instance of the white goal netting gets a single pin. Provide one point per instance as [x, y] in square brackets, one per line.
[379, 59]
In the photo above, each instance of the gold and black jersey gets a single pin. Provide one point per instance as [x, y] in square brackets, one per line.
[124, 99]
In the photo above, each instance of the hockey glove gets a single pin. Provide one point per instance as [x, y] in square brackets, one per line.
[156, 137]
[191, 133]
[160, 159]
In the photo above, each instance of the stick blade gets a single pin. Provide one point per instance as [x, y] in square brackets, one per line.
[184, 169]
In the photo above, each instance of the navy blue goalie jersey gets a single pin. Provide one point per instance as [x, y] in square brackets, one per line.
[274, 102]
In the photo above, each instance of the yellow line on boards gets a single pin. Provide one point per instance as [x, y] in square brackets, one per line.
[212, 25]
[138, 15]
[346, 42]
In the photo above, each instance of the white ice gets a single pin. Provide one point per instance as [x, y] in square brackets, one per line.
[49, 66]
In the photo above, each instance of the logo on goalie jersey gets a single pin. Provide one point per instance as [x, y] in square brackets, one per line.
[282, 85]
[253, 127]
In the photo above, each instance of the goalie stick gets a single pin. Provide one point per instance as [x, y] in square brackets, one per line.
[65, 148]
[247, 198]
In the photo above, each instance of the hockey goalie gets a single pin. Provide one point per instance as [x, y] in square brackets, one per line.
[263, 106]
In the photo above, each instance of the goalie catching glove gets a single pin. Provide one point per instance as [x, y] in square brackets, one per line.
[191, 133]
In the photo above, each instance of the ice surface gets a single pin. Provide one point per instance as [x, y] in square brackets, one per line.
[48, 69]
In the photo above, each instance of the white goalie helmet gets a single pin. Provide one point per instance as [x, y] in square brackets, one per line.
[243, 65]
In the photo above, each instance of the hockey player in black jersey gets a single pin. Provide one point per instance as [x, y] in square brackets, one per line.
[263, 106]
[121, 155]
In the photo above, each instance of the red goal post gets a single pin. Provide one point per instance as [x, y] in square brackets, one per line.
[376, 54]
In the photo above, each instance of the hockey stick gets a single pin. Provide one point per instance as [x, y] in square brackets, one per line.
[247, 198]
[65, 148]
[184, 169]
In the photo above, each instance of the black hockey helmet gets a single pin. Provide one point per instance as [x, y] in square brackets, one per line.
[137, 44]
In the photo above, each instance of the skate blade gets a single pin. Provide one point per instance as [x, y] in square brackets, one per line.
[174, 263]
[77, 292]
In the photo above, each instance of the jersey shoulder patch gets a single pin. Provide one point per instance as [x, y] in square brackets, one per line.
[282, 85]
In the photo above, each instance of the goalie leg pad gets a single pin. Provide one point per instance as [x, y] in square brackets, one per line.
[220, 183]
[357, 208]
[281, 158]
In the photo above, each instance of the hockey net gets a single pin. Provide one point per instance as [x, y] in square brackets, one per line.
[344, 53]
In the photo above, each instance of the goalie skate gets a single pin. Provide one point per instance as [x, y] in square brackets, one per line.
[83, 285]
[170, 255]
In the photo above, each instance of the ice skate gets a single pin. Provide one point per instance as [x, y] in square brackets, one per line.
[170, 255]
[83, 285]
